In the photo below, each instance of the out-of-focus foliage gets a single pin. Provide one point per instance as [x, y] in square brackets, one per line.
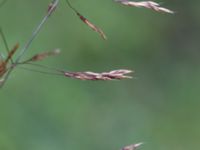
[159, 107]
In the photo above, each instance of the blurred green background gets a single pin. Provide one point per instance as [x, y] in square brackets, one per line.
[159, 106]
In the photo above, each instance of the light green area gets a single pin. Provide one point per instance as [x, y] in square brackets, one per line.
[159, 106]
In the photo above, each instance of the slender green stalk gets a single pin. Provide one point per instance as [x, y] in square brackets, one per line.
[42, 66]
[39, 71]
[74, 9]
[5, 42]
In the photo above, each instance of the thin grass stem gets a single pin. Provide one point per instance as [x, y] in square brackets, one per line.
[70, 5]
[5, 43]
[39, 71]
[42, 66]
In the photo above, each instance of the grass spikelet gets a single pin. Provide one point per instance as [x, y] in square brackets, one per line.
[92, 26]
[3, 64]
[146, 4]
[132, 147]
[43, 55]
[112, 75]
[87, 22]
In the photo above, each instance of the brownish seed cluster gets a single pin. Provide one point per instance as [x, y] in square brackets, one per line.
[3, 63]
[43, 55]
[92, 26]
[2, 68]
[146, 4]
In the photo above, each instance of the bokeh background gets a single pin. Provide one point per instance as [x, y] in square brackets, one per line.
[160, 106]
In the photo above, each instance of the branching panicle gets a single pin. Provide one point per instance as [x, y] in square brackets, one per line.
[119, 74]
[7, 65]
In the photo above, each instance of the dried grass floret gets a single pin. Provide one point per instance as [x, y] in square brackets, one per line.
[132, 146]
[92, 26]
[146, 4]
[3, 63]
[112, 75]
[43, 55]
[87, 22]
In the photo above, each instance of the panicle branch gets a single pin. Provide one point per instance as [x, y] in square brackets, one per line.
[86, 75]
[11, 53]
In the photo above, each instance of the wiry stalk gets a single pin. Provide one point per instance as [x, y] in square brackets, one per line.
[5, 43]
[41, 66]
[39, 71]
[74, 9]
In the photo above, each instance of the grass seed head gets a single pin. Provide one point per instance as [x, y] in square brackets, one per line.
[112, 75]
[146, 4]
[132, 147]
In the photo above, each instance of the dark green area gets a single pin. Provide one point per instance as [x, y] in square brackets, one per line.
[159, 106]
